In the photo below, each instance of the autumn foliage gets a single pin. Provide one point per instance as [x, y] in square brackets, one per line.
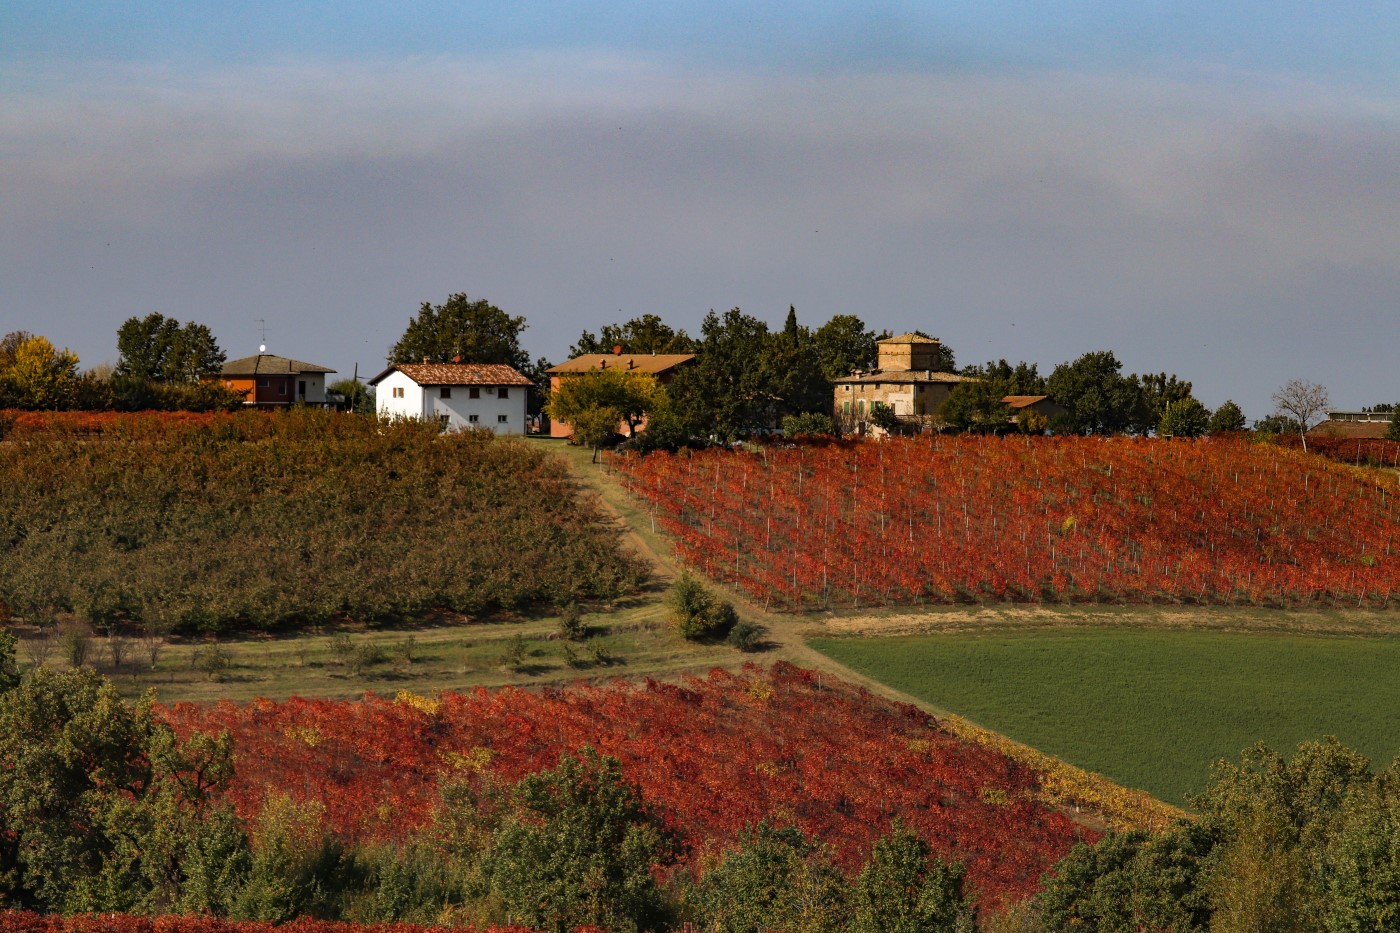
[712, 756]
[956, 518]
[18, 921]
[217, 521]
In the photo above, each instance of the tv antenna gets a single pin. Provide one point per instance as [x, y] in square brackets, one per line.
[262, 333]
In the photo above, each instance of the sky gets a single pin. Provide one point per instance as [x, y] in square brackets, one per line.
[1209, 189]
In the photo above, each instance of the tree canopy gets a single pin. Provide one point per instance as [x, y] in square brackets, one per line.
[462, 329]
[1099, 399]
[157, 348]
[645, 334]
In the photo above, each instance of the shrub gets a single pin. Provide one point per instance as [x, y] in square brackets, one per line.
[746, 636]
[695, 611]
[212, 661]
[75, 640]
[571, 623]
[366, 656]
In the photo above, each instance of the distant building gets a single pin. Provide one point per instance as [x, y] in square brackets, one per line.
[268, 380]
[457, 395]
[1040, 404]
[905, 382]
[662, 366]
[1354, 424]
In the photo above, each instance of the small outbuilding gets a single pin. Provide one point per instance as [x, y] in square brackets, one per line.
[457, 395]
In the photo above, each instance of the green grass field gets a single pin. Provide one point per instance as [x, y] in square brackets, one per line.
[1149, 709]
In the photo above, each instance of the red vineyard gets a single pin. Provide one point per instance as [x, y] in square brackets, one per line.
[946, 519]
[713, 756]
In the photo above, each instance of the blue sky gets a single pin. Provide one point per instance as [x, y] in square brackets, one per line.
[1209, 189]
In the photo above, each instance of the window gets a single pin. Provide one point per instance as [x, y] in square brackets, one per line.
[281, 387]
[474, 392]
[860, 407]
[444, 420]
[846, 407]
[301, 388]
[446, 392]
[398, 391]
[263, 383]
[473, 419]
[503, 392]
[502, 419]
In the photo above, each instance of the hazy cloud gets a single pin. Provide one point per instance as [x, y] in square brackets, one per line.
[1232, 228]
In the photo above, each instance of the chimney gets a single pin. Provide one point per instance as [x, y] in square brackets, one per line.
[602, 364]
[457, 358]
[617, 350]
[631, 364]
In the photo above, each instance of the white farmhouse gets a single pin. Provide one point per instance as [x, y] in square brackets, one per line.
[458, 395]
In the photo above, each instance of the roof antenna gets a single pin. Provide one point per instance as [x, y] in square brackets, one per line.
[262, 331]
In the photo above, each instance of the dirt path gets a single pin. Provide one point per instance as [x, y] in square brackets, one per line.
[787, 633]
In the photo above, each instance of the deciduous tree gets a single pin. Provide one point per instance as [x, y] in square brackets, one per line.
[1228, 418]
[1302, 402]
[1098, 397]
[465, 329]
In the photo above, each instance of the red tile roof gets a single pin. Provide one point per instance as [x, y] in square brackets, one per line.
[1023, 401]
[457, 374]
[654, 363]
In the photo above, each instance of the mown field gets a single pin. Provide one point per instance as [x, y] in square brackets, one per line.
[957, 519]
[248, 521]
[1148, 708]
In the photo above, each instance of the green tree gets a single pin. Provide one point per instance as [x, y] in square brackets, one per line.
[474, 331]
[977, 406]
[724, 393]
[645, 334]
[9, 662]
[1392, 433]
[811, 424]
[1159, 391]
[1277, 424]
[631, 394]
[792, 376]
[775, 879]
[1184, 417]
[157, 348]
[844, 345]
[358, 396]
[1022, 379]
[696, 612]
[1278, 817]
[1228, 418]
[576, 846]
[1099, 399]
[903, 889]
[94, 795]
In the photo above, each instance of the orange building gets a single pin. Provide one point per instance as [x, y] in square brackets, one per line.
[660, 365]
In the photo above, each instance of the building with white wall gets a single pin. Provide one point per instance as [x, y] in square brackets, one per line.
[457, 395]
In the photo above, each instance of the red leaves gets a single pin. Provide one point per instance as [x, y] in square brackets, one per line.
[712, 756]
[946, 519]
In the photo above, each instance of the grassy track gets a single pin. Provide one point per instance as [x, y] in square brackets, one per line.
[1149, 709]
